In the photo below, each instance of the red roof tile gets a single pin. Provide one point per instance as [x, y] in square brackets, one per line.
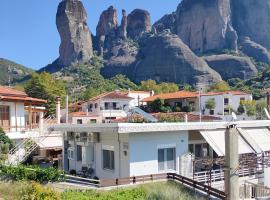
[175, 95]
[176, 115]
[226, 92]
[82, 114]
[7, 91]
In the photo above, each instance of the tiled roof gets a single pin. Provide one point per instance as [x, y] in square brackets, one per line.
[174, 95]
[176, 115]
[9, 94]
[227, 92]
[7, 91]
[111, 95]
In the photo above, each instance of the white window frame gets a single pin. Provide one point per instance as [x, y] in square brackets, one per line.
[110, 151]
[70, 153]
[165, 149]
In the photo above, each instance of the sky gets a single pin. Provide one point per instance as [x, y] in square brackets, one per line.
[28, 34]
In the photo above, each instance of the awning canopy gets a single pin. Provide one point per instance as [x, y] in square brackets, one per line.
[216, 139]
[51, 142]
[258, 138]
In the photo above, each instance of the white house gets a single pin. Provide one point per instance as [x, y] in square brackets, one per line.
[22, 117]
[107, 107]
[133, 149]
[225, 101]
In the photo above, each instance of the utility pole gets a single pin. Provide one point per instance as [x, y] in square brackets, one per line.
[232, 163]
[9, 78]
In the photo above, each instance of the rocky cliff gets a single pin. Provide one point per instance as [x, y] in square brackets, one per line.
[205, 25]
[251, 18]
[76, 41]
[172, 48]
[165, 58]
[229, 66]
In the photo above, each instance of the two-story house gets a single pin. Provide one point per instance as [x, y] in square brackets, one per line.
[225, 102]
[22, 118]
[107, 107]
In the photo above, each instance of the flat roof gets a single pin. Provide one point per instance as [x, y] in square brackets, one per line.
[157, 127]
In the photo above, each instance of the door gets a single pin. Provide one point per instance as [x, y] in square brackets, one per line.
[166, 159]
[4, 117]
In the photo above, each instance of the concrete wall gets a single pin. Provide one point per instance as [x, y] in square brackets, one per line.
[138, 96]
[144, 150]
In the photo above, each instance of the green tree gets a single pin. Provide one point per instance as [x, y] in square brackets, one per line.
[158, 105]
[210, 104]
[260, 105]
[149, 85]
[221, 86]
[168, 87]
[249, 106]
[163, 87]
[45, 86]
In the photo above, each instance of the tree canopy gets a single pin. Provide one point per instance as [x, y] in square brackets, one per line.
[45, 86]
[159, 88]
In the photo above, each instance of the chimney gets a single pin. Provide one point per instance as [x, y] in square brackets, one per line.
[58, 110]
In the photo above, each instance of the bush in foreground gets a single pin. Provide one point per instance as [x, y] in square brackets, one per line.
[32, 173]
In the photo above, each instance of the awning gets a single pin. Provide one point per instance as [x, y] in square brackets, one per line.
[51, 142]
[258, 138]
[216, 139]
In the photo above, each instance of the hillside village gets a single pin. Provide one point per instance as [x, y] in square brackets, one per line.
[177, 109]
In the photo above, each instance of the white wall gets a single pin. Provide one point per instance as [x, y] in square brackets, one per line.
[234, 102]
[110, 140]
[144, 150]
[138, 95]
[16, 109]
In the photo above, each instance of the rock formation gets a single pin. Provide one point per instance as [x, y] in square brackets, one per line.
[256, 51]
[76, 42]
[107, 22]
[123, 27]
[166, 22]
[138, 22]
[251, 18]
[165, 57]
[205, 25]
[229, 66]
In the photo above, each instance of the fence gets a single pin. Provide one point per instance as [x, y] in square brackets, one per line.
[218, 175]
[253, 191]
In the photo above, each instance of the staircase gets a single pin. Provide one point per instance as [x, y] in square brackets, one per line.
[23, 149]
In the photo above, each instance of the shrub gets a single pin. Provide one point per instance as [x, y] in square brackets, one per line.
[32, 173]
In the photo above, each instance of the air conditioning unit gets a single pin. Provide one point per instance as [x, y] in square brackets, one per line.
[70, 136]
[94, 137]
[84, 137]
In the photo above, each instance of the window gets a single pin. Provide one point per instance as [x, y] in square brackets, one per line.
[226, 101]
[226, 111]
[79, 121]
[242, 99]
[212, 112]
[108, 159]
[166, 159]
[79, 153]
[93, 121]
[96, 105]
[4, 116]
[71, 154]
[107, 106]
[90, 107]
[199, 150]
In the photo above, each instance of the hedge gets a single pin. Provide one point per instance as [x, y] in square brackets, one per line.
[32, 173]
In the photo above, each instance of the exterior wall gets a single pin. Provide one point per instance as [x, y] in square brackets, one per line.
[184, 102]
[100, 110]
[137, 98]
[85, 120]
[234, 102]
[92, 156]
[17, 115]
[144, 150]
[110, 141]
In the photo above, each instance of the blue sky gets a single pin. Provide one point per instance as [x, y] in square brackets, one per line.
[28, 33]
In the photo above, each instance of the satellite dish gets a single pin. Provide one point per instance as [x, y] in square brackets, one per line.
[234, 116]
